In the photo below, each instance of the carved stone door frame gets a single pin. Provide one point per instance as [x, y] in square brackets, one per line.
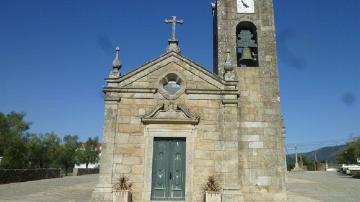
[169, 131]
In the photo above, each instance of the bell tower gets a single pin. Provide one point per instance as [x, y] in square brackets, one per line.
[244, 36]
[246, 28]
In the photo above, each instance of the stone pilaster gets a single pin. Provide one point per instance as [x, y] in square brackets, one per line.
[231, 187]
[103, 190]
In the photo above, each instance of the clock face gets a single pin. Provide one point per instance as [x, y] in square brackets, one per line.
[245, 6]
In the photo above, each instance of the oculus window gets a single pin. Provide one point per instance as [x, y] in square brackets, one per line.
[172, 86]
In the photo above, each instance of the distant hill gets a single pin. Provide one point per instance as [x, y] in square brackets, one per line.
[323, 154]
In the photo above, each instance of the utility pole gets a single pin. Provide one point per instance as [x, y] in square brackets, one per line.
[296, 158]
[315, 159]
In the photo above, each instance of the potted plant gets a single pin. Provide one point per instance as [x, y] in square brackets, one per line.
[212, 190]
[122, 188]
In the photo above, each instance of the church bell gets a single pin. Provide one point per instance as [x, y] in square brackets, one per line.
[246, 55]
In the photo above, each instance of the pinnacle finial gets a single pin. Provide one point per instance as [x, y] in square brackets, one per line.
[116, 62]
[229, 68]
[228, 65]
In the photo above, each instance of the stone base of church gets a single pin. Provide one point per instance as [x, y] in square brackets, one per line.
[232, 195]
[265, 196]
[105, 195]
[102, 193]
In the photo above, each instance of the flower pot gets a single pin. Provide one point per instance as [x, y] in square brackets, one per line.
[212, 197]
[121, 196]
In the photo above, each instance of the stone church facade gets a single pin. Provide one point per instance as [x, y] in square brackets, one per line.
[171, 123]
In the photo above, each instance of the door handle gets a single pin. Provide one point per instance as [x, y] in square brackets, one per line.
[170, 176]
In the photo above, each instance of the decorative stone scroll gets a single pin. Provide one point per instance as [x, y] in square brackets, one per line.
[170, 114]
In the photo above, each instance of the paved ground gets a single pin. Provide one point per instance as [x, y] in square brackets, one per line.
[302, 187]
[68, 189]
[323, 186]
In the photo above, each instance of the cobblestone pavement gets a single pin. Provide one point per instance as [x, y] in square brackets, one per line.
[302, 187]
[322, 186]
[68, 189]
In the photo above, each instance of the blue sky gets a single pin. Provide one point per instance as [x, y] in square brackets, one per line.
[54, 56]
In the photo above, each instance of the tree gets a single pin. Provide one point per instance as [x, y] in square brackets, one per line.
[35, 150]
[49, 150]
[356, 146]
[351, 153]
[22, 149]
[347, 156]
[88, 152]
[12, 126]
[15, 157]
[12, 146]
[67, 151]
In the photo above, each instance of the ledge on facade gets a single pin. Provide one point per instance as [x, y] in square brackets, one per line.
[112, 99]
[228, 102]
[216, 92]
[130, 90]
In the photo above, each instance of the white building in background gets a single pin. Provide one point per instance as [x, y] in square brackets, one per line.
[96, 165]
[91, 165]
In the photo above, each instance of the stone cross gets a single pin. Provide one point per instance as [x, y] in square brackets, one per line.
[174, 21]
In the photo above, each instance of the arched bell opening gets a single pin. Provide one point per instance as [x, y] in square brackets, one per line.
[247, 45]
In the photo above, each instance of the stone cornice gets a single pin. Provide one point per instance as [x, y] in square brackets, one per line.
[161, 58]
[212, 92]
[203, 70]
[154, 90]
[130, 90]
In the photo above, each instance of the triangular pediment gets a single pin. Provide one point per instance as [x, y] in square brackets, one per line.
[174, 61]
[170, 114]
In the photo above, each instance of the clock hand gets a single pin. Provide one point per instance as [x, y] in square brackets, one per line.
[246, 5]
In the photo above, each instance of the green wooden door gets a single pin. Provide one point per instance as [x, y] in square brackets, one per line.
[168, 174]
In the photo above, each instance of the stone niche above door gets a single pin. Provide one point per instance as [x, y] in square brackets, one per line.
[170, 114]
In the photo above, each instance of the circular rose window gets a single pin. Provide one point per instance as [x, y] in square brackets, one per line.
[172, 85]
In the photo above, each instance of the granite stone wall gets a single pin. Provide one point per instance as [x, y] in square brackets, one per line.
[23, 175]
[85, 171]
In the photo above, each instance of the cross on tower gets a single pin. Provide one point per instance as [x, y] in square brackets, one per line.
[174, 21]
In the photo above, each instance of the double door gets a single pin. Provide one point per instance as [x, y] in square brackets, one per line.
[168, 170]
